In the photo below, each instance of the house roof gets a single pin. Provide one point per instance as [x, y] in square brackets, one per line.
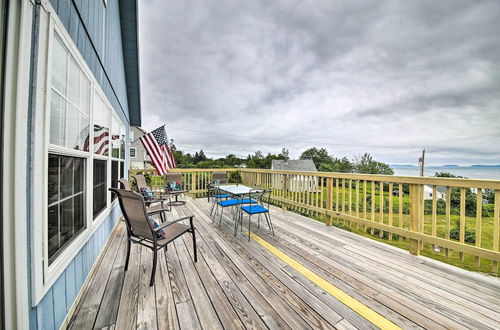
[128, 20]
[294, 165]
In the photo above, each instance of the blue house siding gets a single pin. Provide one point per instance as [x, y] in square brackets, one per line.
[52, 310]
[97, 33]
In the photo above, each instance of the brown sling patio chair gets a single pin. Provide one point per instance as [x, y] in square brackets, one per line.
[141, 229]
[173, 187]
[160, 206]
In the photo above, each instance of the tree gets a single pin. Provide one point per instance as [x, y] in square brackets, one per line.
[285, 154]
[365, 164]
[199, 157]
[470, 197]
[320, 157]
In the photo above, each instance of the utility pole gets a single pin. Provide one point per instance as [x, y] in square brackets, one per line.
[421, 161]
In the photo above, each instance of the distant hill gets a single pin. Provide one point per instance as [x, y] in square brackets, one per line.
[485, 166]
[452, 165]
[402, 166]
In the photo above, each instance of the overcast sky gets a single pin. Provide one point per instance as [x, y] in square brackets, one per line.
[385, 77]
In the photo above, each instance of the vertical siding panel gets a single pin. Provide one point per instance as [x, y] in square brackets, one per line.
[45, 312]
[79, 271]
[73, 24]
[33, 319]
[63, 13]
[59, 300]
[70, 284]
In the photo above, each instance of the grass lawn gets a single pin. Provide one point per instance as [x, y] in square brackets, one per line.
[469, 263]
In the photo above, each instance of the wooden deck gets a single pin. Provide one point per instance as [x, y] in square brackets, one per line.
[240, 284]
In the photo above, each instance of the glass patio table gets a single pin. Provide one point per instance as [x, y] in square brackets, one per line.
[236, 190]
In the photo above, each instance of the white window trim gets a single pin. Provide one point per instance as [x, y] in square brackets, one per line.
[43, 275]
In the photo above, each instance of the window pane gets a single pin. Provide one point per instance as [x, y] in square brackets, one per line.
[114, 177]
[79, 212]
[66, 214]
[59, 67]
[100, 177]
[73, 133]
[101, 127]
[79, 176]
[57, 118]
[116, 138]
[53, 229]
[74, 82]
[84, 94]
[122, 169]
[66, 178]
[84, 141]
[122, 143]
[66, 220]
[53, 178]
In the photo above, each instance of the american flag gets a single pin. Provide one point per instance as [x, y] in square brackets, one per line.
[156, 144]
[101, 140]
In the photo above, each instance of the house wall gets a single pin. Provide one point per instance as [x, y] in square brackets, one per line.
[95, 30]
[138, 162]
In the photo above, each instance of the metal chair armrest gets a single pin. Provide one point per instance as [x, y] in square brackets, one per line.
[174, 221]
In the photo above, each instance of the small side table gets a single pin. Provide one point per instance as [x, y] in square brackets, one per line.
[176, 194]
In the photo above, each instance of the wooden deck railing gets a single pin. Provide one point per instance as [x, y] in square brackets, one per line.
[392, 206]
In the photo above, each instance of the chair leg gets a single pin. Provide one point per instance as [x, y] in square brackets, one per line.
[194, 246]
[269, 222]
[153, 271]
[249, 216]
[220, 218]
[128, 254]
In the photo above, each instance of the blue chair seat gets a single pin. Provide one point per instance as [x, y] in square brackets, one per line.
[254, 209]
[221, 196]
[232, 202]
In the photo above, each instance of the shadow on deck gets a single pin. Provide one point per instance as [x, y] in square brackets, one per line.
[240, 284]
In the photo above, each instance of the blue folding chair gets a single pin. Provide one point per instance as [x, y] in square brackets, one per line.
[232, 203]
[216, 195]
[259, 208]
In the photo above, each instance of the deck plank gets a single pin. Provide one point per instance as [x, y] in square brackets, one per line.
[88, 309]
[238, 284]
[127, 311]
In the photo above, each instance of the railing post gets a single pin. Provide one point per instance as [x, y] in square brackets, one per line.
[193, 182]
[285, 190]
[416, 216]
[329, 200]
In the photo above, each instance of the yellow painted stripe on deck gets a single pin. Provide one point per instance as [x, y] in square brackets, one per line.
[372, 316]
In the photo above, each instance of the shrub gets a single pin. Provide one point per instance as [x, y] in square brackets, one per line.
[470, 235]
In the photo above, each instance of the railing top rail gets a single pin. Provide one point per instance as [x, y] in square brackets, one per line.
[448, 182]
[451, 182]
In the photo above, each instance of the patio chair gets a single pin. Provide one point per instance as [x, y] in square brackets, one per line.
[217, 179]
[173, 187]
[144, 189]
[234, 202]
[262, 207]
[141, 229]
[160, 206]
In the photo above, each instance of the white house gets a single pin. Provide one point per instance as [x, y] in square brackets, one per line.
[296, 183]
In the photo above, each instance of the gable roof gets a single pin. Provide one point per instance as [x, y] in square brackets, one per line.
[294, 165]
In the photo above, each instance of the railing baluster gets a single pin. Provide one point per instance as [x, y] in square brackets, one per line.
[364, 203]
[447, 219]
[373, 197]
[479, 220]
[329, 202]
[357, 202]
[390, 207]
[381, 207]
[462, 220]
[496, 228]
[434, 214]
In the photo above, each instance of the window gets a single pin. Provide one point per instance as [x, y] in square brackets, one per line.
[115, 139]
[66, 201]
[99, 187]
[70, 101]
[132, 152]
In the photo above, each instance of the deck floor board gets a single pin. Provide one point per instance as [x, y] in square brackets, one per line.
[238, 284]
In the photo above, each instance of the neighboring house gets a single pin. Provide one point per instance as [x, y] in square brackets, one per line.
[297, 183]
[70, 92]
[441, 192]
[139, 159]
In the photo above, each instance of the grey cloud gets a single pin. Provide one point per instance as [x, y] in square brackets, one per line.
[401, 75]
